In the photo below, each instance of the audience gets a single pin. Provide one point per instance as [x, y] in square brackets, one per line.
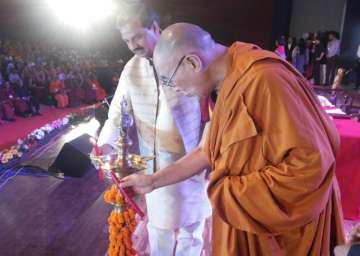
[315, 55]
[31, 74]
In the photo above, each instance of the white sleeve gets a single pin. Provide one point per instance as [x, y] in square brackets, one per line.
[110, 132]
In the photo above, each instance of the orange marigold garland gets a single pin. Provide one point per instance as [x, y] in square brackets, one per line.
[122, 224]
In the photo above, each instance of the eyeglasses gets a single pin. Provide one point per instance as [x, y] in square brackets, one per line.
[168, 81]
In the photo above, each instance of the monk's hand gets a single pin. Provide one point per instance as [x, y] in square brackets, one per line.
[139, 183]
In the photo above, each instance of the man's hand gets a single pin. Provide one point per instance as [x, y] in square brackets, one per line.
[106, 149]
[139, 183]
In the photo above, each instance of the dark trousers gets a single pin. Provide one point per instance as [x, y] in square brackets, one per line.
[357, 72]
[331, 66]
[354, 250]
[34, 105]
[316, 73]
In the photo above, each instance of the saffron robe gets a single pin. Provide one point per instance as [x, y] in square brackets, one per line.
[57, 88]
[272, 150]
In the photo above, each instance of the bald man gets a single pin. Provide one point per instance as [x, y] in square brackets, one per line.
[270, 146]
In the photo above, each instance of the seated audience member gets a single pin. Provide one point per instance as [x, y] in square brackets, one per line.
[20, 102]
[76, 91]
[37, 87]
[100, 93]
[90, 90]
[1, 78]
[6, 102]
[14, 77]
[57, 89]
[27, 103]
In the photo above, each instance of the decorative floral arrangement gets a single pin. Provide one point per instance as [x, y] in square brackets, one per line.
[23, 145]
[9, 154]
[122, 224]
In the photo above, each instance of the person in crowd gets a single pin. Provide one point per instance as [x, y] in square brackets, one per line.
[27, 103]
[333, 52]
[7, 102]
[319, 58]
[74, 83]
[14, 77]
[114, 81]
[90, 89]
[1, 80]
[20, 101]
[301, 56]
[100, 93]
[310, 49]
[357, 69]
[280, 49]
[58, 91]
[289, 49]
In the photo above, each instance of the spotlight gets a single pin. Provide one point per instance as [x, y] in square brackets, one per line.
[81, 14]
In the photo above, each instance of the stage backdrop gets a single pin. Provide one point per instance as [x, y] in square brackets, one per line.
[316, 15]
[254, 21]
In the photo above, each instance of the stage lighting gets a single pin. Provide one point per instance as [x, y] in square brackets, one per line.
[89, 128]
[81, 13]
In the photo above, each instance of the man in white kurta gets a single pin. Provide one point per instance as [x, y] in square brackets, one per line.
[168, 126]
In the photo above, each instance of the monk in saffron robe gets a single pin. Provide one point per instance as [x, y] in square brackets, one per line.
[57, 89]
[270, 146]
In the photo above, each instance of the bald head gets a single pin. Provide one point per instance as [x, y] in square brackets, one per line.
[182, 38]
[182, 58]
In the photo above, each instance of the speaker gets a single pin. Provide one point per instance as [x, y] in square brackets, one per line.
[73, 159]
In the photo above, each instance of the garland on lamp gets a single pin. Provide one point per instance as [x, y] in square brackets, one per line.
[122, 224]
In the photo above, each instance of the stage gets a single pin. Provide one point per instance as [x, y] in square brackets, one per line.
[42, 214]
[46, 215]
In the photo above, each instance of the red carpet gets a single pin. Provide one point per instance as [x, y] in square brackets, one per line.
[11, 132]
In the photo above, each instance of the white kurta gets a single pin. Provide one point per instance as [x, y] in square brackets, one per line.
[168, 126]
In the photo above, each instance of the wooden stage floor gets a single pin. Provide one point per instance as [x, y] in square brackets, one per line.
[50, 216]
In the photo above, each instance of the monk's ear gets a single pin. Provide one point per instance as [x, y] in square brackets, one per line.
[194, 62]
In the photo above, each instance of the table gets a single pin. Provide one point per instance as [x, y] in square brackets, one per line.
[348, 167]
